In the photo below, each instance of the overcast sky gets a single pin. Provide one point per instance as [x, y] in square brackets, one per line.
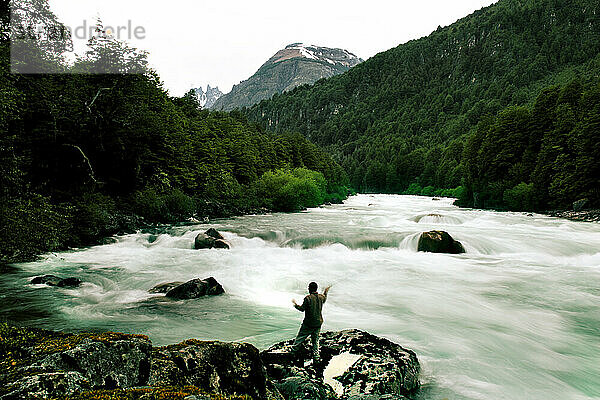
[222, 42]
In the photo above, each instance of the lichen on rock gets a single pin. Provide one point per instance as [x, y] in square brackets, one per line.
[383, 367]
[36, 363]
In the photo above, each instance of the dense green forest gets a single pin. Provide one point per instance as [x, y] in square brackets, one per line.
[85, 155]
[500, 109]
[545, 155]
[413, 118]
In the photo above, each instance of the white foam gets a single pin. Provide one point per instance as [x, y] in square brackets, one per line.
[336, 367]
[524, 295]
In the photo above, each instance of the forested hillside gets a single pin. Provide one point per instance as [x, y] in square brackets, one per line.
[86, 155]
[403, 117]
[547, 154]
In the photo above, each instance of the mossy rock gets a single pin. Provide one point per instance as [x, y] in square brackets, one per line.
[50, 364]
[152, 393]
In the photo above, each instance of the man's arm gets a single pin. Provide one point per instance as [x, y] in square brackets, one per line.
[299, 308]
[326, 291]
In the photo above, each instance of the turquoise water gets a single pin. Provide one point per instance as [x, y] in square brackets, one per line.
[516, 317]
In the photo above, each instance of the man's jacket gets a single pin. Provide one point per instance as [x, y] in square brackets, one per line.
[312, 306]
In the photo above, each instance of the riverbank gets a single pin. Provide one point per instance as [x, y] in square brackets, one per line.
[35, 225]
[38, 363]
[581, 216]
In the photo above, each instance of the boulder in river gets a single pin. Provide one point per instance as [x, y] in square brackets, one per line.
[353, 364]
[203, 241]
[52, 280]
[304, 384]
[212, 232]
[418, 218]
[221, 244]
[196, 288]
[439, 242]
[164, 287]
[211, 239]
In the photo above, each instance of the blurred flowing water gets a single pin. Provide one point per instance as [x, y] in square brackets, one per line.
[516, 317]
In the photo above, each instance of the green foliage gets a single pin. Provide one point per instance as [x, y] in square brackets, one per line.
[291, 190]
[94, 217]
[539, 157]
[32, 225]
[457, 193]
[336, 194]
[405, 115]
[427, 191]
[169, 206]
[414, 189]
[179, 205]
[81, 153]
[520, 197]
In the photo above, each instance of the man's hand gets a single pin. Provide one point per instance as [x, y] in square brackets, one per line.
[294, 302]
[327, 290]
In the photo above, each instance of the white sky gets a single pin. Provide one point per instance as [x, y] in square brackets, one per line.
[222, 42]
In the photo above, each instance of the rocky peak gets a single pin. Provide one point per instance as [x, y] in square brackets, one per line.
[207, 99]
[295, 65]
[331, 56]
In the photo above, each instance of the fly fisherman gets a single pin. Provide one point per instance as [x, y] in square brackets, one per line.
[311, 326]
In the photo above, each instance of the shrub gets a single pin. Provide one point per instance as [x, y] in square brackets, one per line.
[458, 193]
[94, 218]
[149, 204]
[520, 197]
[337, 194]
[413, 189]
[178, 205]
[291, 190]
[427, 191]
[31, 226]
[171, 206]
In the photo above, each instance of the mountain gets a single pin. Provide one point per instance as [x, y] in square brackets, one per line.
[295, 65]
[207, 99]
[403, 116]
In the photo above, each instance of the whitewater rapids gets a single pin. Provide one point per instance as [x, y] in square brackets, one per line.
[516, 317]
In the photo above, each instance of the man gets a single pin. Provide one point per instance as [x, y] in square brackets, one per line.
[311, 326]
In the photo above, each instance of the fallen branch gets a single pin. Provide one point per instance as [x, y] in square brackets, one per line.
[86, 159]
[89, 106]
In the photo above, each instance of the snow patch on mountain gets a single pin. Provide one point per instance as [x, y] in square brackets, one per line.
[207, 99]
[295, 65]
[312, 52]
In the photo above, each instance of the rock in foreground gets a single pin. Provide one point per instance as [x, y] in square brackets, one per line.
[38, 363]
[217, 367]
[194, 289]
[439, 242]
[373, 367]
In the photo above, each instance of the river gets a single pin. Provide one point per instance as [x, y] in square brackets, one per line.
[516, 317]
